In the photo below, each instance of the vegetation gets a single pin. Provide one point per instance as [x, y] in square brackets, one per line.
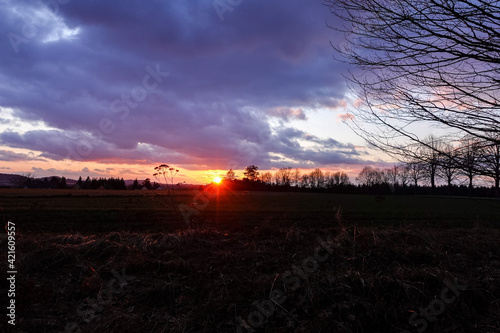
[121, 261]
[101, 183]
[422, 63]
[413, 177]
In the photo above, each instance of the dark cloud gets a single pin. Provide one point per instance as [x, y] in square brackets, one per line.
[7, 155]
[96, 73]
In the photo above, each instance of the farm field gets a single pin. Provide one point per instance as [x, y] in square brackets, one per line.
[123, 261]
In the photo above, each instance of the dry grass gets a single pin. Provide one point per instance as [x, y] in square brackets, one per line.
[119, 263]
[202, 280]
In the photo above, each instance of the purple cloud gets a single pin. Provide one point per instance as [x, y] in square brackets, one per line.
[96, 74]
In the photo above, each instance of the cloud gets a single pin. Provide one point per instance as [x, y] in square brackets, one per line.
[287, 113]
[346, 116]
[94, 75]
[7, 155]
[51, 171]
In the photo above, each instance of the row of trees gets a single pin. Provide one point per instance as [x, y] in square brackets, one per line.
[438, 159]
[107, 183]
[420, 173]
[287, 177]
[432, 64]
[31, 182]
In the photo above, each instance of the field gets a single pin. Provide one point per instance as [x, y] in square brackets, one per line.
[123, 261]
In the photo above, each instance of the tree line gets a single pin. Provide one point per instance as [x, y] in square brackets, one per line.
[288, 178]
[53, 182]
[454, 165]
[437, 159]
[432, 64]
[105, 183]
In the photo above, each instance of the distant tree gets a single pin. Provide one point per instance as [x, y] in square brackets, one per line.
[266, 178]
[391, 175]
[448, 170]
[135, 185]
[79, 182]
[369, 176]
[251, 172]
[386, 176]
[317, 178]
[305, 181]
[469, 157]
[95, 183]
[230, 176]
[296, 177]
[490, 161]
[62, 183]
[147, 183]
[54, 182]
[340, 178]
[403, 175]
[88, 183]
[416, 171]
[430, 153]
[283, 176]
[120, 184]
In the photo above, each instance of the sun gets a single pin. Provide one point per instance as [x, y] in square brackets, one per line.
[217, 180]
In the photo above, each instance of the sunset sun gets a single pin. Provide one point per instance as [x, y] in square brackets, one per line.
[217, 180]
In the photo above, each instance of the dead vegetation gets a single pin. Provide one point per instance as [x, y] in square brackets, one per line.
[210, 280]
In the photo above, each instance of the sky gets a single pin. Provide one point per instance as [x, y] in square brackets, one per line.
[115, 88]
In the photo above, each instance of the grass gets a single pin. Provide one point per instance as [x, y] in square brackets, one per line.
[106, 261]
[105, 211]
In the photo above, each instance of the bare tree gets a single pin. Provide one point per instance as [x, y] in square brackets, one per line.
[338, 178]
[305, 181]
[430, 154]
[341, 178]
[230, 176]
[402, 174]
[448, 166]
[490, 160]
[296, 177]
[369, 176]
[415, 171]
[469, 154]
[391, 175]
[283, 176]
[266, 178]
[422, 62]
[317, 178]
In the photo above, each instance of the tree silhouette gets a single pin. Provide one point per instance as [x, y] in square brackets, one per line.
[230, 176]
[490, 160]
[369, 176]
[283, 176]
[251, 173]
[434, 63]
[448, 165]
[266, 178]
[62, 183]
[147, 183]
[469, 159]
